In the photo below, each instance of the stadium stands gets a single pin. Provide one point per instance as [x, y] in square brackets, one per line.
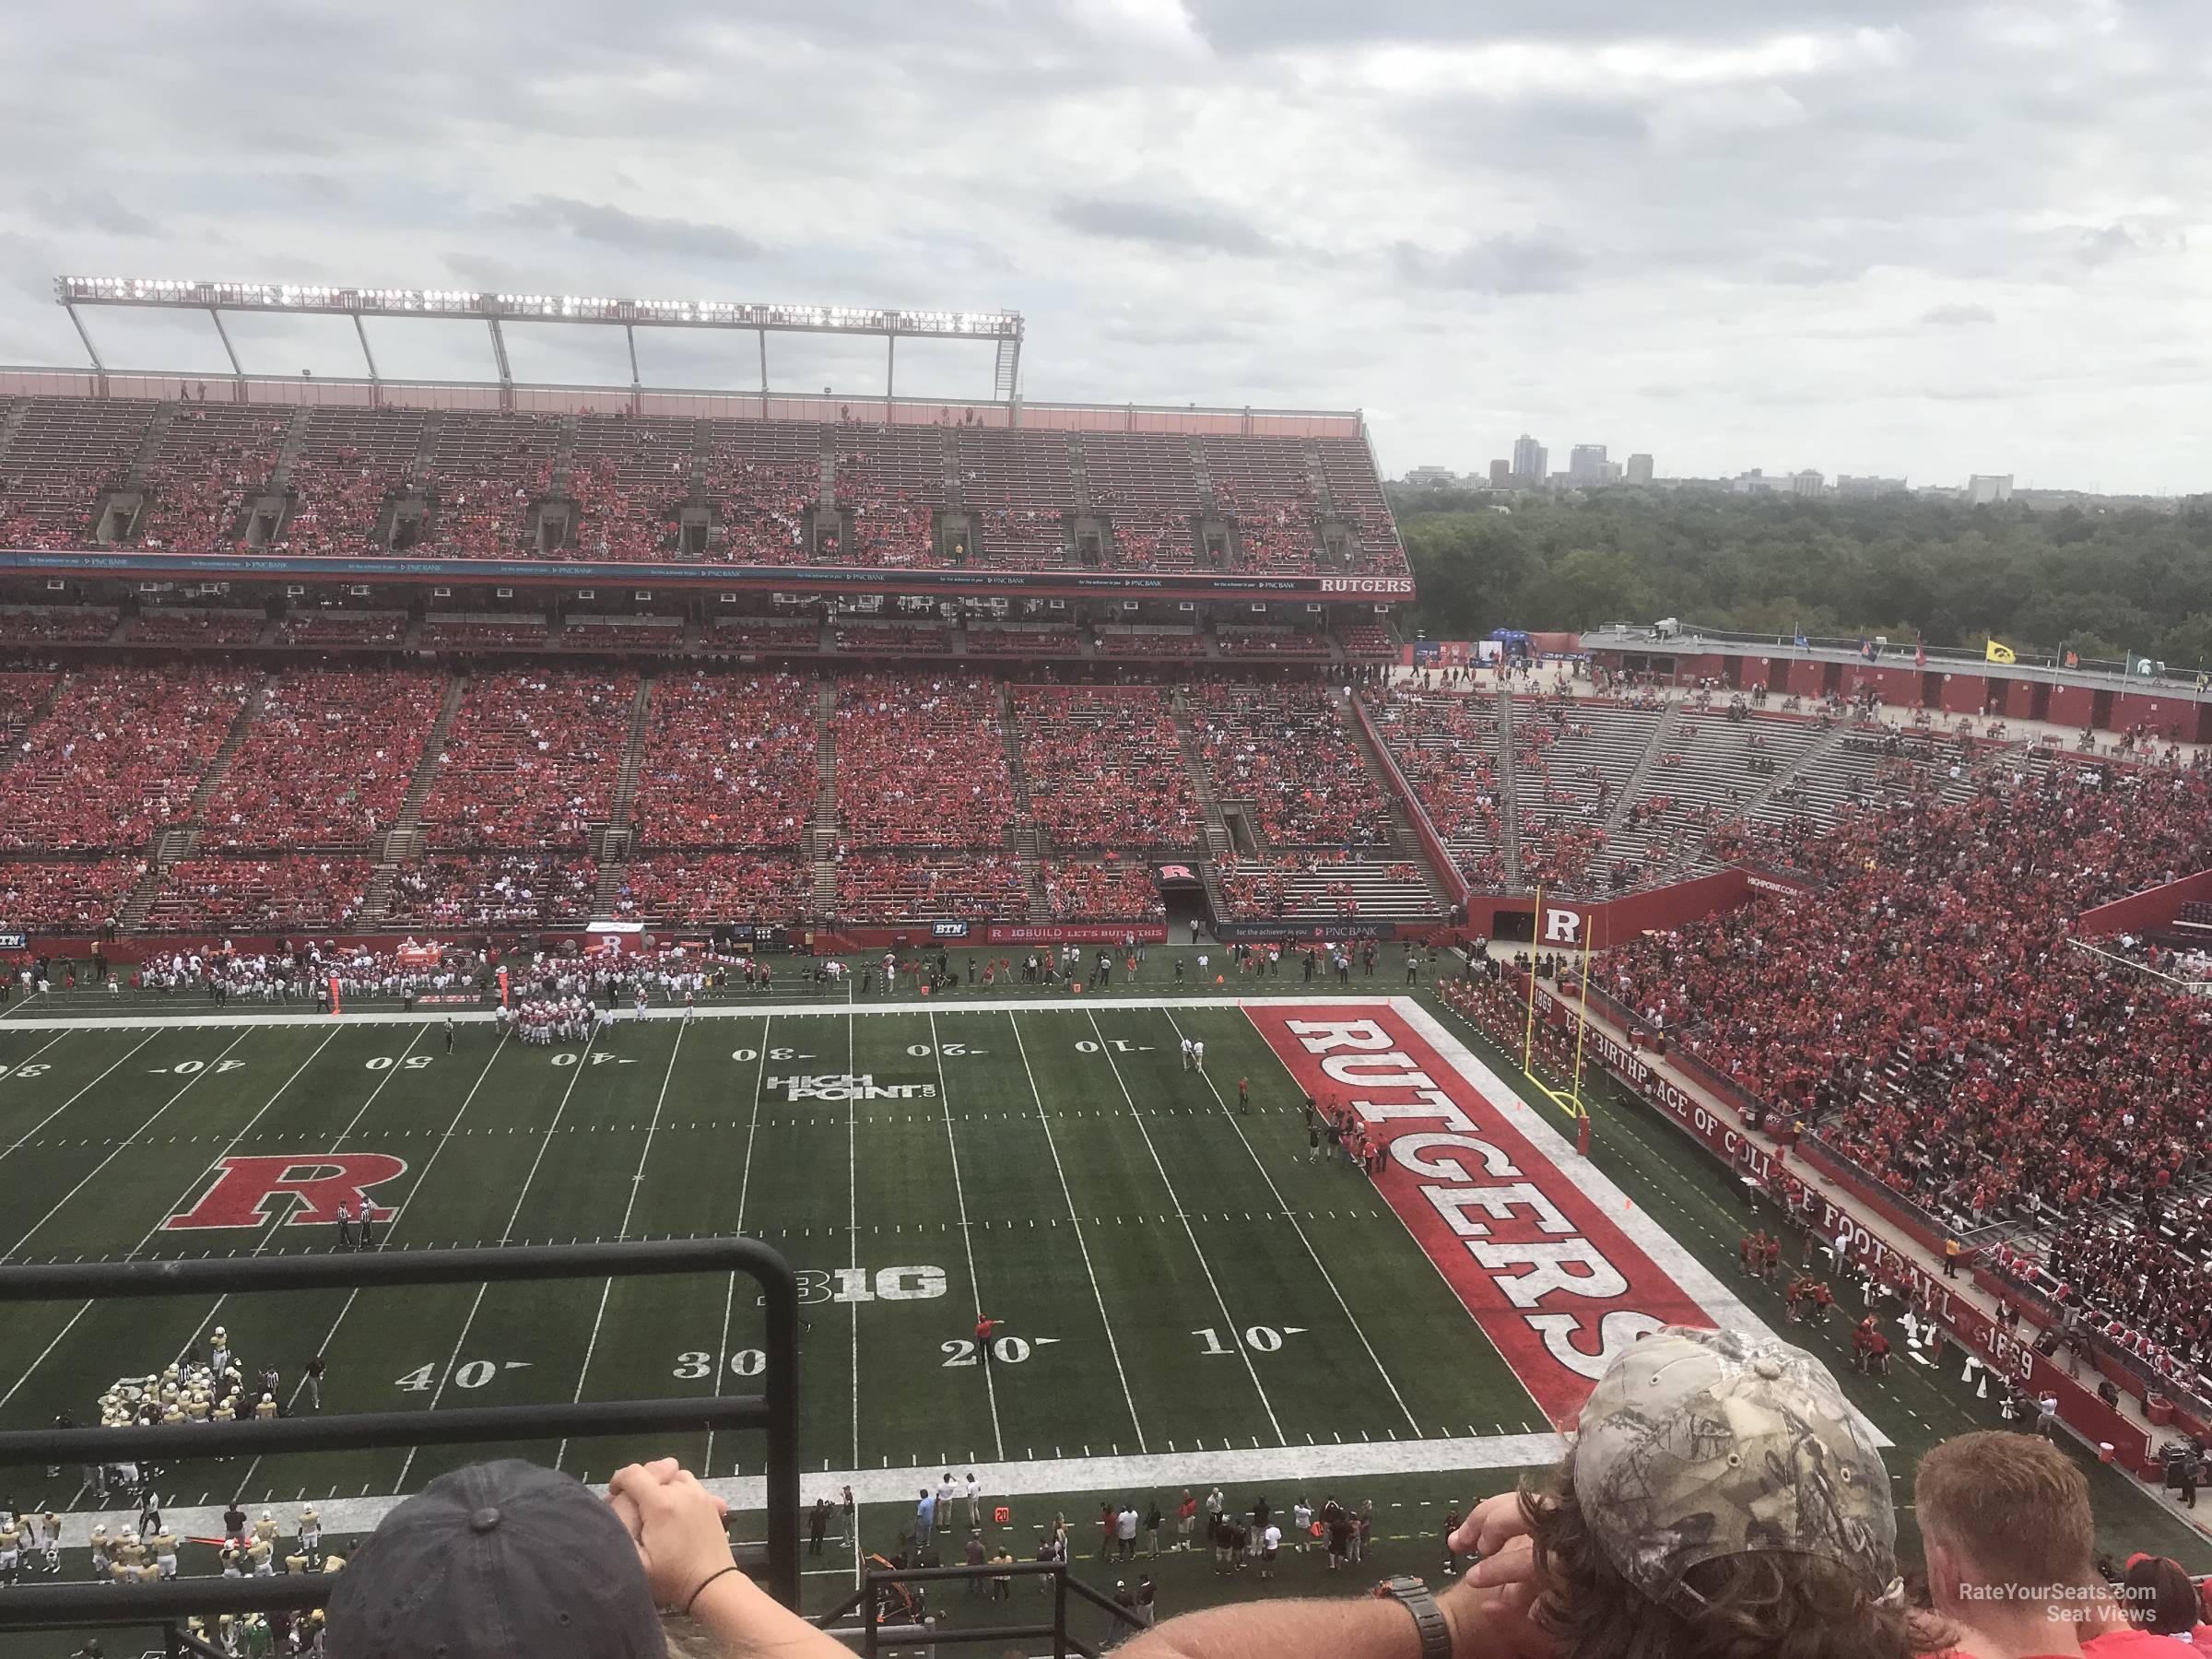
[205, 629]
[1020, 484]
[729, 761]
[66, 896]
[920, 764]
[210, 460]
[326, 760]
[486, 472]
[255, 894]
[1285, 748]
[1105, 768]
[512, 889]
[351, 463]
[1446, 747]
[63, 455]
[761, 478]
[531, 760]
[890, 888]
[628, 480]
[696, 890]
[1098, 892]
[118, 754]
[890, 481]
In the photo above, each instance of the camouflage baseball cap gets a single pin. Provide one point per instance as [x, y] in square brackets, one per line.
[1699, 1444]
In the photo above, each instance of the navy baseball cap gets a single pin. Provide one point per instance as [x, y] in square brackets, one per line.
[496, 1560]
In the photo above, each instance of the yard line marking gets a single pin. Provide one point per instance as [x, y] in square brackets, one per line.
[1052, 1146]
[117, 1151]
[1206, 1267]
[744, 1186]
[103, 1164]
[636, 1181]
[1276, 1193]
[80, 1093]
[959, 1196]
[506, 1236]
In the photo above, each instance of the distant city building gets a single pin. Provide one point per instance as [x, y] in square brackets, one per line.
[1866, 483]
[1639, 469]
[1755, 482]
[1615, 472]
[1586, 465]
[1501, 474]
[1432, 478]
[1989, 487]
[1530, 459]
[1806, 483]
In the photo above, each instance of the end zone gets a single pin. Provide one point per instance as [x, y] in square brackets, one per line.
[1556, 1263]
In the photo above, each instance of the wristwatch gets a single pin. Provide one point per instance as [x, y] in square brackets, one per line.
[1428, 1618]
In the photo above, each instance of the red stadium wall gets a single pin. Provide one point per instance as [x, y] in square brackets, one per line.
[2072, 706]
[1964, 693]
[1569, 924]
[2167, 716]
[2146, 909]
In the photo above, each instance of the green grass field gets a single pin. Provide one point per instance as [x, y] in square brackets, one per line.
[1181, 1290]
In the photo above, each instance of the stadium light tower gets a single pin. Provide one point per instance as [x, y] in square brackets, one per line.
[1001, 329]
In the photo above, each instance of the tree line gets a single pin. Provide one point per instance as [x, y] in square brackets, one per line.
[2103, 583]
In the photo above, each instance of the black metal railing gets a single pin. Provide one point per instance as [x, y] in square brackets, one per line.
[881, 1585]
[27, 1606]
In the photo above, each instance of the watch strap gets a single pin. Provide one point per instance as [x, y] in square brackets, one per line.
[1429, 1619]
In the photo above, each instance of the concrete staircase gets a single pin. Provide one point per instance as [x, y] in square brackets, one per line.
[1508, 804]
[1219, 849]
[1663, 732]
[822, 830]
[1827, 744]
[295, 439]
[406, 840]
[150, 445]
[1027, 846]
[177, 840]
[611, 843]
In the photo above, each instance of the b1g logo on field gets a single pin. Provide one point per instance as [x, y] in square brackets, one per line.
[252, 1191]
[1562, 927]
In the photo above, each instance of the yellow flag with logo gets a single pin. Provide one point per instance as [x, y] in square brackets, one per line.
[2000, 653]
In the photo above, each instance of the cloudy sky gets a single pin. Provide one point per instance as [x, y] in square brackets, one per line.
[1925, 239]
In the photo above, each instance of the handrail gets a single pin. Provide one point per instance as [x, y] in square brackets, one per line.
[29, 1606]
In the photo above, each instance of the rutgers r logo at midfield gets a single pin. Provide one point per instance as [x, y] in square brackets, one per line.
[252, 1191]
[1562, 927]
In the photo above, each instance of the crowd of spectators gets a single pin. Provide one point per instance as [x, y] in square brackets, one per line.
[57, 624]
[730, 762]
[921, 761]
[690, 890]
[197, 487]
[531, 760]
[1286, 749]
[117, 755]
[327, 760]
[50, 509]
[1107, 891]
[761, 508]
[260, 894]
[343, 628]
[1105, 768]
[894, 888]
[66, 896]
[337, 506]
[622, 514]
[512, 889]
[2012, 1067]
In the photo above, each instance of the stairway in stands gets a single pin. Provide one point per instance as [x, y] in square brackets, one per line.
[822, 830]
[1661, 734]
[611, 841]
[1026, 849]
[295, 439]
[405, 840]
[1509, 810]
[1405, 840]
[177, 840]
[12, 418]
[1219, 849]
[149, 446]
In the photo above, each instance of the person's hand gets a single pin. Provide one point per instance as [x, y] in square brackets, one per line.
[677, 1526]
[1489, 1526]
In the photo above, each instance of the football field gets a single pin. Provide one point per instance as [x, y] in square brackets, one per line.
[1186, 1296]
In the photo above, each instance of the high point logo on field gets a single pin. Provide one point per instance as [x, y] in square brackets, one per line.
[844, 1086]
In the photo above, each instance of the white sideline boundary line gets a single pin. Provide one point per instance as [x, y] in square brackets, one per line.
[1282, 1467]
[820, 1009]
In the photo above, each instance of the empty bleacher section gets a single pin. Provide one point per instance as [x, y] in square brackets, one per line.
[65, 453]
[1143, 483]
[486, 472]
[1019, 487]
[1572, 758]
[628, 480]
[1356, 493]
[761, 478]
[1446, 748]
[1710, 767]
[1319, 887]
[1264, 487]
[211, 461]
[350, 464]
[889, 482]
